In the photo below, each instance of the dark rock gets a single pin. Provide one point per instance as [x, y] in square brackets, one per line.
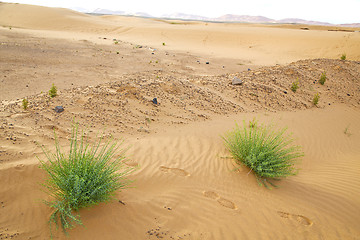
[59, 109]
[237, 81]
[152, 53]
[155, 101]
[207, 62]
[285, 92]
[249, 69]
[348, 94]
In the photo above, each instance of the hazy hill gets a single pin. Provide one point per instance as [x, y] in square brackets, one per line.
[227, 18]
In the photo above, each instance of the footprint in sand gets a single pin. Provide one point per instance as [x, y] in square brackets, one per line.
[298, 218]
[131, 163]
[222, 201]
[19, 167]
[176, 171]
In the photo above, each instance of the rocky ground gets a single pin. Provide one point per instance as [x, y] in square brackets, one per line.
[127, 106]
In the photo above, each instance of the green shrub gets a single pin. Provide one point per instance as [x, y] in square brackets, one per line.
[86, 176]
[322, 78]
[347, 132]
[25, 103]
[253, 123]
[316, 99]
[53, 91]
[163, 44]
[295, 85]
[268, 153]
[343, 57]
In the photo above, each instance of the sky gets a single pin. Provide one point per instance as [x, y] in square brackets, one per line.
[332, 11]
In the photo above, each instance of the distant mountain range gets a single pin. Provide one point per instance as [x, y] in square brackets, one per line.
[224, 18]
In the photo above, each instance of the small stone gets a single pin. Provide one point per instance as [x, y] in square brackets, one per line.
[285, 92]
[207, 62]
[249, 69]
[155, 101]
[237, 81]
[348, 94]
[59, 109]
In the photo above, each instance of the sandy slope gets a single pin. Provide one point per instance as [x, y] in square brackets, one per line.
[255, 44]
[186, 186]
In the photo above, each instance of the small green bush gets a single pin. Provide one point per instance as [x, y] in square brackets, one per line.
[53, 91]
[86, 176]
[267, 152]
[253, 123]
[346, 131]
[25, 103]
[343, 57]
[295, 85]
[322, 78]
[163, 44]
[316, 99]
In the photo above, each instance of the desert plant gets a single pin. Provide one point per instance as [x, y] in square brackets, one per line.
[25, 103]
[295, 85]
[268, 152]
[347, 132]
[86, 176]
[316, 99]
[343, 57]
[253, 123]
[53, 91]
[163, 44]
[322, 78]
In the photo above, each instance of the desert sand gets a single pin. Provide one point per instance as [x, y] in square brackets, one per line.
[109, 68]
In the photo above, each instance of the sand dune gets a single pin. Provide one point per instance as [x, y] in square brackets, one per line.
[186, 185]
[255, 44]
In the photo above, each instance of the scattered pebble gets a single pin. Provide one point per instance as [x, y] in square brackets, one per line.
[59, 109]
[237, 81]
